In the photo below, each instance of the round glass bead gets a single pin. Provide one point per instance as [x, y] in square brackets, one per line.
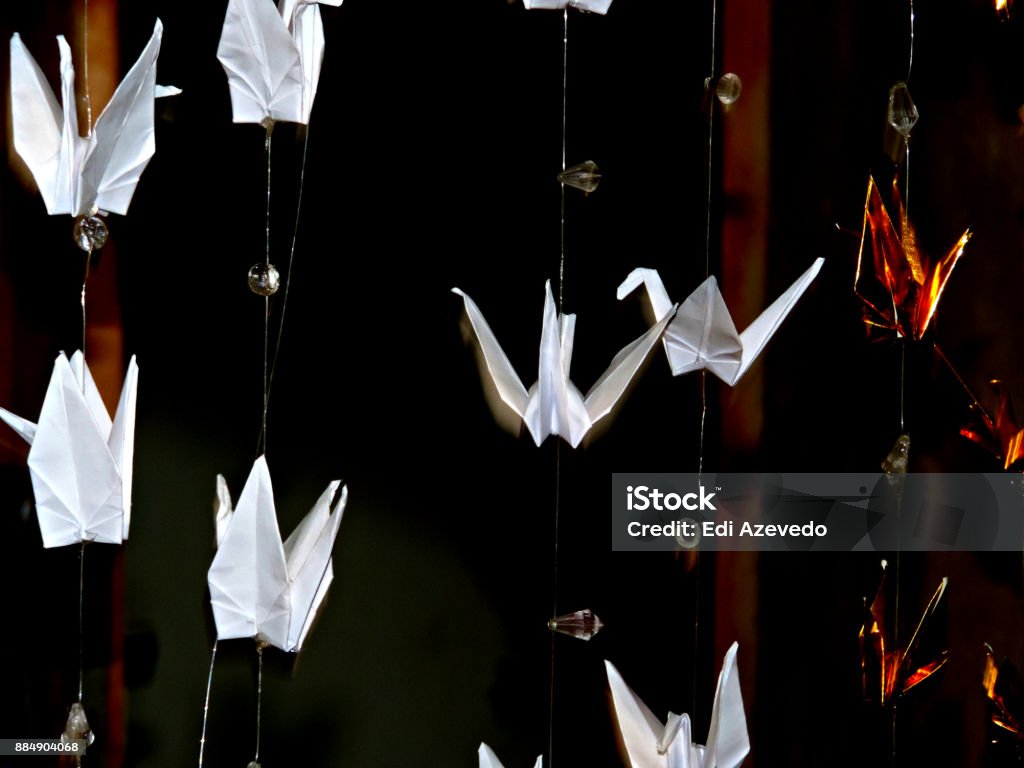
[264, 279]
[728, 88]
[90, 233]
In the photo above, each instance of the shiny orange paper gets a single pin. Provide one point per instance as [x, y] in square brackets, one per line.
[1005, 689]
[906, 285]
[889, 672]
[1001, 435]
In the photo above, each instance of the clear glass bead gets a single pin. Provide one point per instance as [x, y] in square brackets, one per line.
[77, 726]
[264, 279]
[728, 88]
[584, 177]
[582, 625]
[90, 233]
[895, 464]
[902, 114]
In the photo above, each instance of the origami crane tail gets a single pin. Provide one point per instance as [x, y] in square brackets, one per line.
[122, 439]
[23, 427]
[728, 741]
[222, 509]
[72, 147]
[36, 122]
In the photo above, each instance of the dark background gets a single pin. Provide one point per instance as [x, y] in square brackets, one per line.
[433, 149]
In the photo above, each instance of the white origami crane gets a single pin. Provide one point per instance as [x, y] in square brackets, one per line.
[590, 6]
[554, 406]
[490, 760]
[703, 335]
[272, 58]
[653, 745]
[259, 587]
[82, 174]
[81, 461]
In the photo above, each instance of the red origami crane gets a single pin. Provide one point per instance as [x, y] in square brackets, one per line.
[890, 671]
[1001, 435]
[910, 285]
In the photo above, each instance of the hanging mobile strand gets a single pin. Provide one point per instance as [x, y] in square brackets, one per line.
[81, 622]
[264, 281]
[206, 704]
[903, 123]
[288, 276]
[709, 85]
[259, 702]
[558, 446]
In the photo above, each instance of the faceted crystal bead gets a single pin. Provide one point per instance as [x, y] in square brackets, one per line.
[90, 233]
[902, 114]
[728, 88]
[895, 463]
[77, 727]
[264, 279]
[582, 625]
[584, 177]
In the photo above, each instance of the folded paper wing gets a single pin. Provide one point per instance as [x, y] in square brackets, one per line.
[490, 760]
[702, 333]
[259, 587]
[81, 461]
[650, 744]
[272, 58]
[553, 405]
[590, 6]
[80, 174]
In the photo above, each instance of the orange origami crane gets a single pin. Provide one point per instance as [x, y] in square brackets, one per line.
[889, 672]
[1001, 435]
[911, 285]
[1005, 689]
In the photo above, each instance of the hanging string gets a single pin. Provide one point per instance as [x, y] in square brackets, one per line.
[261, 443]
[906, 139]
[85, 66]
[558, 446]
[565, 91]
[206, 704]
[81, 622]
[259, 698]
[288, 276]
[85, 280]
[708, 170]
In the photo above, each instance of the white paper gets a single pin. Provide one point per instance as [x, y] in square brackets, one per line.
[272, 58]
[490, 760]
[553, 405]
[653, 745]
[702, 333]
[591, 6]
[81, 461]
[81, 174]
[263, 588]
